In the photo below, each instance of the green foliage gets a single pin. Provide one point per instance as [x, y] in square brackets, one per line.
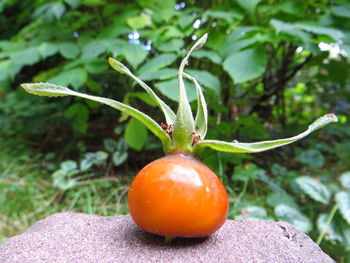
[300, 71]
[316, 190]
[294, 217]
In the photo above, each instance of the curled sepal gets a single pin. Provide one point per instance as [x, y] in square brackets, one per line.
[201, 120]
[238, 147]
[168, 113]
[47, 89]
[184, 123]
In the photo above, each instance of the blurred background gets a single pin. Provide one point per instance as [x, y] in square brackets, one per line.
[269, 68]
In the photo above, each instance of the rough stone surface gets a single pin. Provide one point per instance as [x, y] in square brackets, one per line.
[73, 237]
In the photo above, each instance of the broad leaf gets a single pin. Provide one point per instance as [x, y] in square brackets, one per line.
[157, 63]
[27, 56]
[336, 34]
[168, 113]
[119, 157]
[47, 49]
[345, 179]
[343, 200]
[333, 232]
[160, 74]
[252, 212]
[311, 158]
[94, 158]
[294, 217]
[246, 65]
[69, 50]
[170, 89]
[211, 55]
[207, 80]
[249, 5]
[75, 77]
[138, 22]
[135, 134]
[46, 89]
[238, 147]
[134, 54]
[341, 11]
[316, 190]
[93, 49]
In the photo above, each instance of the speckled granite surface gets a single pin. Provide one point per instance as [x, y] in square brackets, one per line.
[73, 237]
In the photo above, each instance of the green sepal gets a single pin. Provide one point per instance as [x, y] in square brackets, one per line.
[184, 126]
[168, 113]
[51, 90]
[201, 120]
[238, 147]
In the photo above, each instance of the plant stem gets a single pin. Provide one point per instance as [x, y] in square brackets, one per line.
[240, 196]
[329, 220]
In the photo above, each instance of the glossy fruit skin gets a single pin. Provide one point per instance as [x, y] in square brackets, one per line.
[178, 196]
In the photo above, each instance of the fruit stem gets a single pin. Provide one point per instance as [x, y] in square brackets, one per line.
[168, 239]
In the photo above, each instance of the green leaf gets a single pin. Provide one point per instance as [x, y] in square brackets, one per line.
[138, 22]
[172, 45]
[170, 89]
[343, 200]
[335, 34]
[62, 178]
[161, 74]
[69, 50]
[289, 29]
[144, 96]
[294, 217]
[227, 16]
[207, 79]
[110, 145]
[75, 77]
[80, 115]
[47, 49]
[238, 147]
[96, 66]
[248, 172]
[252, 212]
[316, 190]
[237, 40]
[312, 158]
[135, 134]
[249, 5]
[345, 179]
[134, 54]
[90, 159]
[168, 113]
[68, 166]
[246, 65]
[46, 89]
[119, 157]
[337, 230]
[28, 56]
[184, 123]
[201, 120]
[341, 11]
[94, 49]
[277, 198]
[73, 3]
[157, 63]
[211, 55]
